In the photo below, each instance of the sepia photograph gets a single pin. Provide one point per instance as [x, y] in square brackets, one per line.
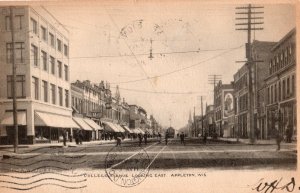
[149, 96]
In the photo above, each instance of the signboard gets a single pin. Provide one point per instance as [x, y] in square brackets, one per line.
[228, 104]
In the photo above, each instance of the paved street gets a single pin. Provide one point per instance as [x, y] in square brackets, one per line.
[91, 156]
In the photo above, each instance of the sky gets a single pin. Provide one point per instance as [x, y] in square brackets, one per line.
[189, 41]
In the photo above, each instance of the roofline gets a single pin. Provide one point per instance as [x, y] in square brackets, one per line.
[290, 33]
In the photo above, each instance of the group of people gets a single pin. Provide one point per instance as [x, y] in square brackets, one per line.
[141, 137]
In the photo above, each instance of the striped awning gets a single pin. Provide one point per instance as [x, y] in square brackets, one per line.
[54, 120]
[9, 120]
[127, 129]
[108, 126]
[91, 123]
[83, 125]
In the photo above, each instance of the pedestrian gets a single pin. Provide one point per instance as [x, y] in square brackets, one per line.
[159, 138]
[205, 138]
[80, 137]
[140, 139]
[182, 138]
[278, 138]
[64, 135]
[118, 138]
[145, 138]
[166, 137]
[76, 137]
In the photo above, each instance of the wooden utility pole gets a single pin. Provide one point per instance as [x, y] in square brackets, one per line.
[195, 126]
[250, 26]
[202, 116]
[212, 79]
[14, 76]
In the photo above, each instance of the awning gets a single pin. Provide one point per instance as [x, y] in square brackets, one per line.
[140, 130]
[83, 125]
[110, 126]
[91, 123]
[135, 131]
[52, 120]
[8, 118]
[120, 128]
[127, 129]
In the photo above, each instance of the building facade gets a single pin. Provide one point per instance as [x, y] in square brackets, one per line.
[259, 69]
[281, 87]
[42, 67]
[224, 111]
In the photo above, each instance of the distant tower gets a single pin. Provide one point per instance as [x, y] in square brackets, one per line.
[117, 95]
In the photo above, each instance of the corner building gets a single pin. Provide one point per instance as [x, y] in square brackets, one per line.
[43, 83]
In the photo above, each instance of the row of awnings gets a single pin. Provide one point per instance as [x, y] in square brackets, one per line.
[54, 120]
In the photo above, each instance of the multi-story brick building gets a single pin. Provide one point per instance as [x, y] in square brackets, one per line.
[43, 85]
[259, 68]
[281, 86]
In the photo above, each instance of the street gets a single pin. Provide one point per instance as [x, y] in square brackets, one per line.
[195, 154]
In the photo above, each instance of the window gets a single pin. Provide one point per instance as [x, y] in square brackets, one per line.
[35, 88]
[272, 99]
[7, 23]
[45, 91]
[59, 67]
[60, 96]
[18, 22]
[269, 96]
[34, 55]
[275, 92]
[288, 86]
[67, 98]
[293, 85]
[19, 19]
[66, 51]
[44, 33]
[44, 60]
[19, 52]
[52, 40]
[283, 89]
[20, 86]
[52, 93]
[33, 26]
[279, 91]
[52, 65]
[59, 45]
[285, 57]
[66, 72]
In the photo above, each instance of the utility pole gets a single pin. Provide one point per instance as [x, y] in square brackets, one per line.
[202, 116]
[195, 127]
[250, 26]
[15, 115]
[212, 79]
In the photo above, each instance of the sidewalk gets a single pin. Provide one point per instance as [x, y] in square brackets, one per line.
[260, 141]
[56, 144]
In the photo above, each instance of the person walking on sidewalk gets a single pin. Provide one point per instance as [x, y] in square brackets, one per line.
[64, 135]
[278, 138]
[119, 139]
